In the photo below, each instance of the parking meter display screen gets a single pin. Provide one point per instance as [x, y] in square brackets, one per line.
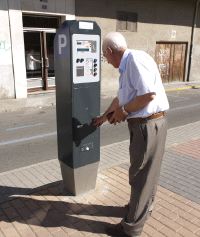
[86, 58]
[86, 46]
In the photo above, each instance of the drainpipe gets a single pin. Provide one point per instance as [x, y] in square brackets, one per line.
[192, 37]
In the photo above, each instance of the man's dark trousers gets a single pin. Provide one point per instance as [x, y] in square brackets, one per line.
[147, 144]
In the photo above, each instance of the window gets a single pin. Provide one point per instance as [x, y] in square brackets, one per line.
[127, 21]
[39, 21]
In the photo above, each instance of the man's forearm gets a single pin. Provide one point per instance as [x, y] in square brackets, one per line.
[139, 102]
[113, 106]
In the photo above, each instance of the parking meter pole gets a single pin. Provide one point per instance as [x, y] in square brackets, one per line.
[77, 72]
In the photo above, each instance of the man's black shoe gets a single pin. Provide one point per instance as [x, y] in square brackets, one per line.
[117, 230]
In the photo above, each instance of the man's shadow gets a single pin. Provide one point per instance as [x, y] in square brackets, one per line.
[51, 213]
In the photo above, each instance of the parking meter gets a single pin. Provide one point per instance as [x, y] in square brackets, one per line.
[77, 72]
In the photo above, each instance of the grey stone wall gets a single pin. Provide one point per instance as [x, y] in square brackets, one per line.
[163, 20]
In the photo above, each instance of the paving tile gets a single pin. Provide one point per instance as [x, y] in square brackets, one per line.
[11, 213]
[188, 225]
[23, 179]
[163, 196]
[195, 213]
[168, 206]
[170, 224]
[23, 229]
[76, 234]
[186, 233]
[68, 229]
[10, 232]
[182, 206]
[34, 178]
[152, 231]
[49, 212]
[190, 148]
[144, 234]
[17, 203]
[59, 233]
[156, 224]
[168, 213]
[178, 180]
[166, 231]
[5, 223]
[1, 234]
[198, 233]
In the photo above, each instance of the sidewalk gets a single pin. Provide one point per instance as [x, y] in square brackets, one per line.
[47, 98]
[33, 202]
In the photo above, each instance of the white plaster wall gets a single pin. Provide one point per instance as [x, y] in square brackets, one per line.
[16, 29]
[6, 70]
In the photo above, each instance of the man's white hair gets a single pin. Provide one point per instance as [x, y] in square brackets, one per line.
[115, 41]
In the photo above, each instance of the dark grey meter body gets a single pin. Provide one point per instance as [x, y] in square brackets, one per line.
[78, 72]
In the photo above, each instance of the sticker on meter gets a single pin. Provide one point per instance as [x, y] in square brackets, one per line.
[80, 71]
[86, 25]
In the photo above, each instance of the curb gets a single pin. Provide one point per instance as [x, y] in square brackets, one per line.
[182, 88]
[48, 99]
[178, 89]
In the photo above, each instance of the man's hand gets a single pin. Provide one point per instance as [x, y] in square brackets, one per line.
[118, 116]
[98, 121]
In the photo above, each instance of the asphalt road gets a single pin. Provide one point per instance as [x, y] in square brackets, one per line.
[28, 137]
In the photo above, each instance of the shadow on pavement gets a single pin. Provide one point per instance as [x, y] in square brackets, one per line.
[8, 193]
[44, 209]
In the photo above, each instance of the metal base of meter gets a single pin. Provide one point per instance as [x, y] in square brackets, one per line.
[80, 180]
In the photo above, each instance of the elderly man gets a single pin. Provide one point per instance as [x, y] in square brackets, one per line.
[143, 103]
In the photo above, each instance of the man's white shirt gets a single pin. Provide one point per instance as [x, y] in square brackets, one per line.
[139, 75]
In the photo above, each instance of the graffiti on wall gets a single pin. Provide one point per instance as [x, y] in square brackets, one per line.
[163, 56]
[4, 46]
[5, 55]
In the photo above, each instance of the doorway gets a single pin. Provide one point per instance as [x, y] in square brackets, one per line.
[171, 60]
[39, 52]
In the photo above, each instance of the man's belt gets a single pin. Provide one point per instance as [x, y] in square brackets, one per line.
[143, 120]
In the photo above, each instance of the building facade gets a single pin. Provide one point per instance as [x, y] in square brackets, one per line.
[169, 30]
[27, 30]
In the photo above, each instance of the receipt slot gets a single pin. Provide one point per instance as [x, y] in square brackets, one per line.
[77, 72]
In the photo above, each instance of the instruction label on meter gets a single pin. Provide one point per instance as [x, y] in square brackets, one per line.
[86, 58]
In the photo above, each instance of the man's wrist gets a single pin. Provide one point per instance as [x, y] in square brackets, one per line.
[124, 110]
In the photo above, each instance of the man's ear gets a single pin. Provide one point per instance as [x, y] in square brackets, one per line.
[110, 51]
